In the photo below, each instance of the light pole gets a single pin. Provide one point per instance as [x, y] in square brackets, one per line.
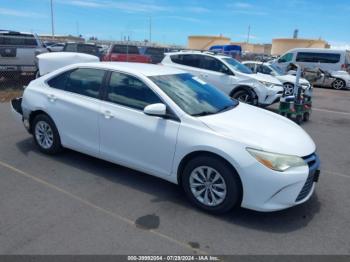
[52, 22]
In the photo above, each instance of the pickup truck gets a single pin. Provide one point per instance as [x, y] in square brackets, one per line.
[18, 53]
[126, 53]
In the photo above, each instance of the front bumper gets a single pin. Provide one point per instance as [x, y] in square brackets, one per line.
[276, 191]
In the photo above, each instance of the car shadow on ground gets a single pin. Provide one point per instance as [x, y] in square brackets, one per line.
[288, 220]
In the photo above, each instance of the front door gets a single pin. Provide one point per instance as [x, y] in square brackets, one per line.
[130, 137]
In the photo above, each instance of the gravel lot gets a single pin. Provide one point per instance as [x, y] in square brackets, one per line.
[75, 204]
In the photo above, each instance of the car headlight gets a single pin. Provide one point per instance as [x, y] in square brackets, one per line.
[277, 162]
[268, 84]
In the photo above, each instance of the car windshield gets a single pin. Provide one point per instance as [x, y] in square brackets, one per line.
[194, 96]
[237, 66]
[278, 71]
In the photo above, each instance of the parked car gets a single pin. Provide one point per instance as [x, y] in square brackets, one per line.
[227, 74]
[125, 53]
[326, 59]
[235, 51]
[287, 80]
[90, 49]
[336, 79]
[170, 124]
[17, 53]
[156, 53]
[58, 47]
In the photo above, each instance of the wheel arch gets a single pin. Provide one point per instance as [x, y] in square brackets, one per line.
[198, 153]
[243, 87]
[32, 116]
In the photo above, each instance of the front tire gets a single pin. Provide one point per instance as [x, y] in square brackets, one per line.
[245, 96]
[288, 89]
[338, 84]
[46, 135]
[211, 184]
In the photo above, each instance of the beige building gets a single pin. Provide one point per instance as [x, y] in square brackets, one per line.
[201, 42]
[254, 48]
[282, 45]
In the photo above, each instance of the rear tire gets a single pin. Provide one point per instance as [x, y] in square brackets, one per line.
[46, 135]
[211, 184]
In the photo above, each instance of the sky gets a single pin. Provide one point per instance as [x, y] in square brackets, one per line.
[174, 20]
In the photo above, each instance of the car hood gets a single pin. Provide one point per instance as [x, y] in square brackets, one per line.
[266, 78]
[261, 129]
[291, 79]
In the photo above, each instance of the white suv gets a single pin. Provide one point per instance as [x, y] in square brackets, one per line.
[229, 75]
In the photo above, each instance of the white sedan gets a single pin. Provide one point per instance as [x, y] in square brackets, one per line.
[170, 124]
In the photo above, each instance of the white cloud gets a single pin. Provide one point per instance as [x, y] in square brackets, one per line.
[197, 9]
[13, 12]
[340, 45]
[242, 5]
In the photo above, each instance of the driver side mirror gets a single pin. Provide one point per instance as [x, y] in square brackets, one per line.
[155, 110]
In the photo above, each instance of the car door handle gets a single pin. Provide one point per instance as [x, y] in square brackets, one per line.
[51, 97]
[204, 75]
[108, 114]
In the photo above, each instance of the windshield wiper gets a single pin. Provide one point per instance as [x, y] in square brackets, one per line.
[204, 113]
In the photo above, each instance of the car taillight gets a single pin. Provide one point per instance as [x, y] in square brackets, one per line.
[344, 66]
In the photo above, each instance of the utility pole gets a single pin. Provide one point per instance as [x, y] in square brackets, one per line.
[150, 29]
[52, 21]
[248, 36]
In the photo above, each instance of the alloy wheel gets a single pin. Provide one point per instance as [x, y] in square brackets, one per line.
[338, 84]
[44, 134]
[288, 89]
[208, 186]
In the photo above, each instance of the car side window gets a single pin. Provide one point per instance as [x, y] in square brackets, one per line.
[251, 66]
[59, 82]
[70, 48]
[286, 58]
[187, 60]
[213, 64]
[263, 69]
[129, 91]
[85, 81]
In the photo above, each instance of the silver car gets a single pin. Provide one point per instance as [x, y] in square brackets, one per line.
[18, 53]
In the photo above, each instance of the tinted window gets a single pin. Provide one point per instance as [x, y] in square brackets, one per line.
[188, 60]
[192, 95]
[328, 58]
[264, 69]
[59, 82]
[213, 64]
[124, 49]
[250, 66]
[154, 51]
[83, 81]
[286, 58]
[17, 40]
[129, 91]
[88, 49]
[70, 48]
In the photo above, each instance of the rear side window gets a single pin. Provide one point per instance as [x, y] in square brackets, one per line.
[18, 40]
[82, 81]
[124, 49]
[129, 91]
[308, 57]
[90, 49]
[188, 60]
[154, 51]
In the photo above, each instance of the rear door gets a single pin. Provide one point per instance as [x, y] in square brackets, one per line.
[18, 50]
[73, 103]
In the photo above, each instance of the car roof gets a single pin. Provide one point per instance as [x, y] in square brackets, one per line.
[134, 68]
[318, 50]
[190, 52]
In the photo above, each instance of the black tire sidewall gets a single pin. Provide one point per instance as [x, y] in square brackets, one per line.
[233, 185]
[251, 93]
[56, 146]
[337, 80]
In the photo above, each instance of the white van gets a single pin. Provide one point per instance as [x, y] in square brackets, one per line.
[325, 59]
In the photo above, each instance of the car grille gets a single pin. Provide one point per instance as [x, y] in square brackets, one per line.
[313, 163]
